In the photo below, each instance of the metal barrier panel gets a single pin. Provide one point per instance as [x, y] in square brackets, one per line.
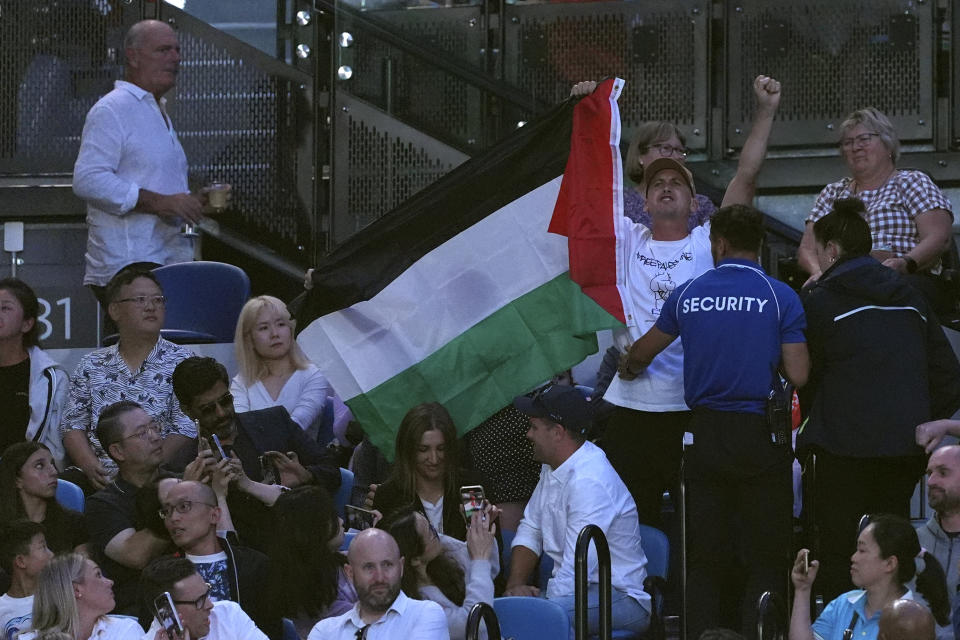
[660, 48]
[57, 58]
[381, 162]
[832, 58]
[240, 117]
[414, 90]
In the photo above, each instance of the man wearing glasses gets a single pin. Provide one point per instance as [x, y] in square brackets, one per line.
[192, 512]
[274, 452]
[138, 367]
[199, 615]
[120, 540]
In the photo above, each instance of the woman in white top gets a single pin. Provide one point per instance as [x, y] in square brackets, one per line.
[273, 368]
[454, 574]
[72, 601]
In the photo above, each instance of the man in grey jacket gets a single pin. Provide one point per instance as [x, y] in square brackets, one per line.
[940, 536]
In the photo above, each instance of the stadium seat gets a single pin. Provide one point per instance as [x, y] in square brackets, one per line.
[342, 497]
[531, 619]
[289, 630]
[69, 495]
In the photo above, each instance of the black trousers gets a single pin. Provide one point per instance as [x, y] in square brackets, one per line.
[739, 519]
[645, 448]
[845, 489]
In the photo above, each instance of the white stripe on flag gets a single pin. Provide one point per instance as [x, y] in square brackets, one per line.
[504, 256]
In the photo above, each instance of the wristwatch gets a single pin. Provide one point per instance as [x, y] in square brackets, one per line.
[911, 263]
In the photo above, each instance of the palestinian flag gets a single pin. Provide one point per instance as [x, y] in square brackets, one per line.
[461, 296]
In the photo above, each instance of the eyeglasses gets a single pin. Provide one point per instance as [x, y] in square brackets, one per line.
[861, 140]
[199, 602]
[143, 433]
[667, 150]
[224, 402]
[141, 301]
[181, 507]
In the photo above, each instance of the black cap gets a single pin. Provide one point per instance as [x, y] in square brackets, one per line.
[565, 405]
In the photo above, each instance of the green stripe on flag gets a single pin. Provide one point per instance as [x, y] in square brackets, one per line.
[524, 343]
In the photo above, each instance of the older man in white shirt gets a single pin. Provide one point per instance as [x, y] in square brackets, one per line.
[383, 611]
[131, 169]
[577, 487]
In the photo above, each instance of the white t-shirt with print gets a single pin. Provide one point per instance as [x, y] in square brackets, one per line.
[654, 268]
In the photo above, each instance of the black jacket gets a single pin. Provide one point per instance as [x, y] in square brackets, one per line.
[881, 363]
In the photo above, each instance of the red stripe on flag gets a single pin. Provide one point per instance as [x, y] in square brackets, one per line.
[587, 204]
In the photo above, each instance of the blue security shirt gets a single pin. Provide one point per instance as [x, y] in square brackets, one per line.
[732, 321]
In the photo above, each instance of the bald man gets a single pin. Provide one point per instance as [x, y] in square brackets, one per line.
[131, 170]
[906, 620]
[383, 611]
[939, 535]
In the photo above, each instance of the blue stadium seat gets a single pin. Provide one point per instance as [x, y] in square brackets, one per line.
[289, 630]
[531, 619]
[69, 495]
[204, 300]
[342, 497]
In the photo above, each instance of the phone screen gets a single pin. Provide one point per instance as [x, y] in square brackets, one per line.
[166, 613]
[473, 499]
[218, 451]
[358, 518]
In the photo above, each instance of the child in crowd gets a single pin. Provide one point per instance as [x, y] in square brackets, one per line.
[23, 553]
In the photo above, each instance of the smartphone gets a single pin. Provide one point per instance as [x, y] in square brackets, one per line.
[268, 470]
[217, 449]
[806, 561]
[166, 614]
[358, 518]
[472, 498]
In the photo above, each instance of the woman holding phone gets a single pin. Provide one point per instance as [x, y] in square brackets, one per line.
[72, 601]
[881, 567]
[426, 473]
[454, 574]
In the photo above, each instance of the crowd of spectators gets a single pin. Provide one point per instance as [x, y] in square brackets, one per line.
[208, 510]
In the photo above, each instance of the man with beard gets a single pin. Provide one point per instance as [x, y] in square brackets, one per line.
[273, 451]
[941, 533]
[375, 567]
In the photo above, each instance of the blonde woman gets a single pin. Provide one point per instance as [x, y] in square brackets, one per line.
[72, 602]
[273, 368]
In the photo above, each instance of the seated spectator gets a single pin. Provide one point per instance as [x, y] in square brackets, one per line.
[881, 567]
[307, 579]
[910, 217]
[273, 368]
[139, 367]
[426, 471]
[28, 489]
[33, 388]
[191, 513]
[906, 620]
[23, 554]
[200, 616]
[862, 316]
[72, 601]
[454, 574]
[383, 611]
[119, 541]
[272, 450]
[577, 487]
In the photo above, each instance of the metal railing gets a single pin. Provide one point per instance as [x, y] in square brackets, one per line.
[482, 612]
[581, 569]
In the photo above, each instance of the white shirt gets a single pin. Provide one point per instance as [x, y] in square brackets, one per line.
[128, 145]
[108, 628]
[227, 622]
[15, 614]
[303, 395]
[584, 490]
[406, 619]
[654, 268]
